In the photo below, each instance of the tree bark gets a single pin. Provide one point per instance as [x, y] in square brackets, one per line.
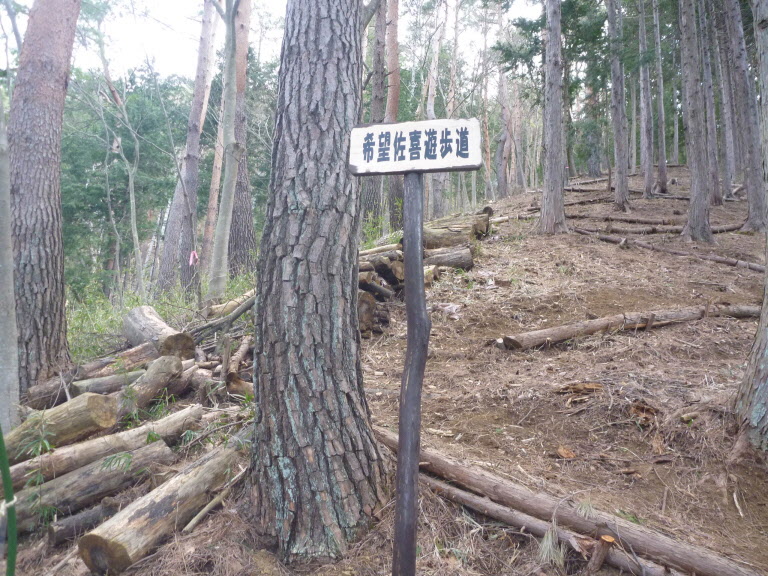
[675, 116]
[242, 236]
[317, 475]
[752, 393]
[552, 220]
[698, 228]
[745, 103]
[633, 131]
[661, 181]
[618, 108]
[70, 527]
[9, 365]
[213, 194]
[140, 393]
[726, 99]
[34, 136]
[646, 114]
[181, 229]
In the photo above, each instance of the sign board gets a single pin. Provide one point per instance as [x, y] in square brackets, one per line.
[429, 146]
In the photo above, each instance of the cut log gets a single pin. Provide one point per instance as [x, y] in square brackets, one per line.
[654, 229]
[391, 255]
[459, 258]
[71, 527]
[139, 394]
[364, 266]
[85, 486]
[143, 324]
[626, 321]
[64, 424]
[222, 324]
[648, 246]
[137, 529]
[235, 385]
[600, 554]
[629, 219]
[124, 361]
[182, 384]
[228, 307]
[538, 527]
[431, 275]
[68, 458]
[384, 268]
[381, 293]
[380, 249]
[643, 541]
[370, 315]
[105, 384]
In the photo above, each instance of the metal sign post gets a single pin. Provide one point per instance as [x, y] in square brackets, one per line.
[412, 148]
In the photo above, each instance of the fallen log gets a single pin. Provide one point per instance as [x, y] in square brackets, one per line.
[592, 181]
[710, 257]
[71, 527]
[381, 293]
[140, 393]
[629, 219]
[537, 527]
[235, 385]
[626, 321]
[105, 384]
[143, 324]
[222, 324]
[431, 274]
[654, 229]
[121, 362]
[85, 486]
[364, 266]
[641, 540]
[603, 200]
[228, 307]
[391, 271]
[459, 258]
[68, 458]
[142, 525]
[370, 315]
[64, 424]
[380, 249]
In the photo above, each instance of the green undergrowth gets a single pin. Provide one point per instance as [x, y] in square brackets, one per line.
[95, 324]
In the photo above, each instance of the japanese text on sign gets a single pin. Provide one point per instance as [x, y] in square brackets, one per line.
[430, 146]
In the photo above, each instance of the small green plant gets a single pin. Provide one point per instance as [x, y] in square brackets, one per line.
[629, 516]
[551, 552]
[585, 509]
[188, 437]
[153, 436]
[120, 461]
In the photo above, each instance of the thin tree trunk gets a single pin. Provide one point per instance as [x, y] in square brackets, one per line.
[618, 108]
[317, 475]
[552, 220]
[633, 132]
[435, 182]
[34, 135]
[372, 201]
[213, 194]
[242, 236]
[233, 150]
[395, 182]
[746, 104]
[697, 228]
[661, 181]
[646, 114]
[709, 100]
[675, 115]
[726, 101]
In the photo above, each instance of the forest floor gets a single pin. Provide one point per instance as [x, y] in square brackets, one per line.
[622, 448]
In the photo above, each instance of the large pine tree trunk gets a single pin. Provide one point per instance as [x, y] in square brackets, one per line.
[372, 185]
[633, 131]
[697, 227]
[618, 108]
[646, 113]
[9, 362]
[316, 474]
[752, 396]
[181, 229]
[749, 126]
[242, 235]
[212, 212]
[34, 135]
[661, 181]
[552, 219]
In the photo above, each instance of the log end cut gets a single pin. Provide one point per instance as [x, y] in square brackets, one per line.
[512, 343]
[181, 345]
[103, 409]
[102, 555]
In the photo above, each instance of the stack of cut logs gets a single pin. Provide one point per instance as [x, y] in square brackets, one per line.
[448, 243]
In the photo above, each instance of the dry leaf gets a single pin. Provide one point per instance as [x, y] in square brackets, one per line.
[566, 453]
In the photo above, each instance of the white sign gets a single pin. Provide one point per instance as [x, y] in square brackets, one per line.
[429, 146]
